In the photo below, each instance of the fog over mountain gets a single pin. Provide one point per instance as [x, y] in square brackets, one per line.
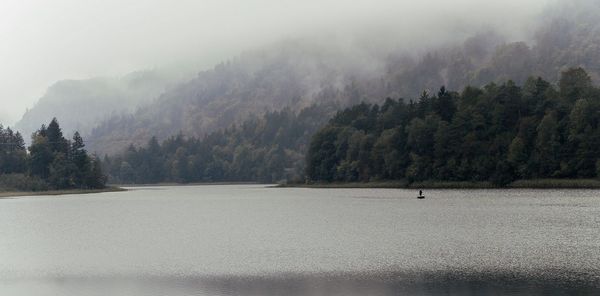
[345, 53]
[345, 71]
[82, 104]
[74, 40]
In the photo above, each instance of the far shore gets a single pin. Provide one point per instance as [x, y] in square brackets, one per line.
[12, 194]
[186, 184]
[519, 184]
[399, 184]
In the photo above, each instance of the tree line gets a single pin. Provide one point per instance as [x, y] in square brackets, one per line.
[51, 162]
[269, 148]
[498, 133]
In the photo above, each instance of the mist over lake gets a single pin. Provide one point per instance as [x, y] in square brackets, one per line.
[257, 240]
[426, 147]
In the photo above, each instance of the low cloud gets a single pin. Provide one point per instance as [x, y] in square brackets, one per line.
[44, 42]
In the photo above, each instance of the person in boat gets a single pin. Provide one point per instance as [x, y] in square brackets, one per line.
[420, 192]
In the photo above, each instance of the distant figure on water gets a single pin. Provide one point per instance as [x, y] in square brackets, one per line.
[421, 196]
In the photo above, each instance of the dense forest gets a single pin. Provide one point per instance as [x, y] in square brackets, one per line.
[498, 133]
[265, 149]
[53, 162]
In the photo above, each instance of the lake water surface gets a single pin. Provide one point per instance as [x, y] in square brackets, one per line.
[255, 240]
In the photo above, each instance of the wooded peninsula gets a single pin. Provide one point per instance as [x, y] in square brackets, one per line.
[52, 164]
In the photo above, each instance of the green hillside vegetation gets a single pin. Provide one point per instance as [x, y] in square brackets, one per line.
[262, 149]
[53, 162]
[499, 133]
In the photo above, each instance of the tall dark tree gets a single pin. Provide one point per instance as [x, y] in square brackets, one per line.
[79, 158]
[445, 104]
[40, 155]
[56, 140]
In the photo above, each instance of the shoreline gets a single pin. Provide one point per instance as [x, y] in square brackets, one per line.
[519, 184]
[185, 184]
[399, 184]
[13, 194]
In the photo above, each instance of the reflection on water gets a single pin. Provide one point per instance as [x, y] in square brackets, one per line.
[346, 285]
[251, 240]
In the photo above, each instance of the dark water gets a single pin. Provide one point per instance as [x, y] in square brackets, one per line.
[252, 240]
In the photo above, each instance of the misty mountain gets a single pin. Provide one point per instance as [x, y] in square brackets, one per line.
[293, 74]
[299, 73]
[83, 104]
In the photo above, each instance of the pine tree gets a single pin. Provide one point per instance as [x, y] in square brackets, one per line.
[55, 137]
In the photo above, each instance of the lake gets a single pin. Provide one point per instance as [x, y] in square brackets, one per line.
[257, 240]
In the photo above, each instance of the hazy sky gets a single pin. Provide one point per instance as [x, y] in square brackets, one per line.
[48, 40]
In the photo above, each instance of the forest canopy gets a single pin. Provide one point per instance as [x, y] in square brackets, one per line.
[498, 133]
[261, 149]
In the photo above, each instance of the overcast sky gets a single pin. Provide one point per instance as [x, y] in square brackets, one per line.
[43, 41]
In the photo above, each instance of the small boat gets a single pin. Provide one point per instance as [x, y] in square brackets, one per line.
[421, 197]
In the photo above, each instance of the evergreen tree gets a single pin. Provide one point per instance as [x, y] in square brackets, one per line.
[41, 155]
[55, 137]
[547, 146]
[79, 158]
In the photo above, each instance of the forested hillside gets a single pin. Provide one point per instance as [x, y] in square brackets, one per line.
[269, 148]
[297, 74]
[498, 133]
[292, 75]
